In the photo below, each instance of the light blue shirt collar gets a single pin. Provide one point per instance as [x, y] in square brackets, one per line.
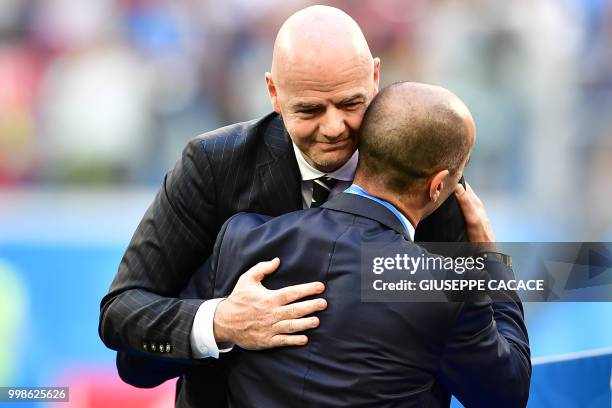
[355, 189]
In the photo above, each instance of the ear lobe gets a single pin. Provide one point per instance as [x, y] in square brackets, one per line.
[272, 92]
[436, 185]
[434, 189]
[434, 193]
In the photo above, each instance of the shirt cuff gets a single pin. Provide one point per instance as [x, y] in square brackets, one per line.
[202, 334]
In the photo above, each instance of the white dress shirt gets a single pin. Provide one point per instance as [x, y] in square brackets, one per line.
[344, 176]
[202, 336]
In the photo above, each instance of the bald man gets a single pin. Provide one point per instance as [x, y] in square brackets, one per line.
[322, 79]
[386, 353]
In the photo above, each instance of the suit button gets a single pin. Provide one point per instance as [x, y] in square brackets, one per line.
[145, 346]
[153, 347]
[168, 347]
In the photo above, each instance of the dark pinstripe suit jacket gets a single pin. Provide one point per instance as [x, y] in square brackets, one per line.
[248, 166]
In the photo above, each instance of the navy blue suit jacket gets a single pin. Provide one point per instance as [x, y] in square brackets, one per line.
[248, 166]
[384, 354]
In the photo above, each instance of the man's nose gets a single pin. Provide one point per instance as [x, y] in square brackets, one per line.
[333, 125]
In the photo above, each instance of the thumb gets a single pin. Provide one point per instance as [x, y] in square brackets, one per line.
[459, 190]
[258, 272]
[467, 206]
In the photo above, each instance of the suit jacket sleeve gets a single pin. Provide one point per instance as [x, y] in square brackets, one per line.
[145, 371]
[486, 362]
[202, 283]
[174, 237]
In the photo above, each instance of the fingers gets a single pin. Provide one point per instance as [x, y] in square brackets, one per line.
[300, 309]
[477, 223]
[281, 340]
[466, 202]
[459, 190]
[472, 195]
[258, 272]
[292, 293]
[296, 325]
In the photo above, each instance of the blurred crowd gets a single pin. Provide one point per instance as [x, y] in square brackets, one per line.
[107, 92]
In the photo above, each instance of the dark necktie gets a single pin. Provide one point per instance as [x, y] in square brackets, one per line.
[321, 188]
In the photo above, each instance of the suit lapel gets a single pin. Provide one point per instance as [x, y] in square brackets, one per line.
[278, 171]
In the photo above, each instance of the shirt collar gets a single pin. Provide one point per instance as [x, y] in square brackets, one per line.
[344, 173]
[356, 189]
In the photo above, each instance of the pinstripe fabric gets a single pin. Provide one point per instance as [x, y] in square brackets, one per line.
[248, 166]
[243, 167]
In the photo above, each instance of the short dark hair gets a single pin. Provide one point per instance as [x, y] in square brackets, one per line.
[404, 140]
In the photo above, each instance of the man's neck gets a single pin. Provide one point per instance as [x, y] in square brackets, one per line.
[405, 206]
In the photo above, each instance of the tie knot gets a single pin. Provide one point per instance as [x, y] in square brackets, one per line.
[326, 182]
[321, 188]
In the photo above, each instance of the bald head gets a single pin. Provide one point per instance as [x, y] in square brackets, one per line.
[412, 131]
[318, 38]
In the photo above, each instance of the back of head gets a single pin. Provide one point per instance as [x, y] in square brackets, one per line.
[410, 132]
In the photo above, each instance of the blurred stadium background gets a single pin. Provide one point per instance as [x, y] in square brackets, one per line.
[97, 99]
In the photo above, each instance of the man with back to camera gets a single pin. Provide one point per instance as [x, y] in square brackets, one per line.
[384, 354]
[323, 77]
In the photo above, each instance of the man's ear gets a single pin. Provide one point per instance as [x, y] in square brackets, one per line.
[376, 74]
[273, 93]
[436, 185]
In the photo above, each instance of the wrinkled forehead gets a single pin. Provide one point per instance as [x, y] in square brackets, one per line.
[310, 101]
